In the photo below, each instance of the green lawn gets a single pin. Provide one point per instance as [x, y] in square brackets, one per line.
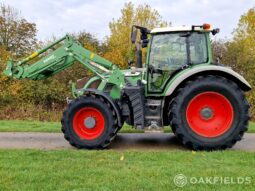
[104, 170]
[37, 126]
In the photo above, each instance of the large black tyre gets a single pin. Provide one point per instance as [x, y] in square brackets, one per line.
[209, 113]
[99, 132]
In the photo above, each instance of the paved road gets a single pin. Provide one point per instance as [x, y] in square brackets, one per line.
[124, 141]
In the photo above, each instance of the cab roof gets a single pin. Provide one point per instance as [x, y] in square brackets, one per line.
[202, 28]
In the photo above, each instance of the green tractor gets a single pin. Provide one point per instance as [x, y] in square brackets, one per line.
[179, 86]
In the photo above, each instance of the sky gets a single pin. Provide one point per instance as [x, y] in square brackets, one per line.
[58, 17]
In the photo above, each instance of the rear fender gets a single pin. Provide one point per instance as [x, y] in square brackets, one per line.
[189, 73]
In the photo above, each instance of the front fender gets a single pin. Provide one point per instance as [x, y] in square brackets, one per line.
[90, 81]
[206, 70]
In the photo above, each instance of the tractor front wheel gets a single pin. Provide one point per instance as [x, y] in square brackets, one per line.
[209, 113]
[89, 122]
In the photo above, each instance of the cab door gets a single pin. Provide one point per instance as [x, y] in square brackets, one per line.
[167, 53]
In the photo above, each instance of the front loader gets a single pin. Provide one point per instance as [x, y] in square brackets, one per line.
[179, 85]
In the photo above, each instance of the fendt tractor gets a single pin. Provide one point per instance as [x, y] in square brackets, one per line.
[179, 85]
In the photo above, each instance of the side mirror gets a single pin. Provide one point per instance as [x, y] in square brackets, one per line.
[133, 36]
[144, 35]
[145, 43]
[215, 31]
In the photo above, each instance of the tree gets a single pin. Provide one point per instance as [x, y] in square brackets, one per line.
[119, 42]
[17, 37]
[16, 34]
[240, 52]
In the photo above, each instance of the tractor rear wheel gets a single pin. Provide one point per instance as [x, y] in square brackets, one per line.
[89, 122]
[209, 113]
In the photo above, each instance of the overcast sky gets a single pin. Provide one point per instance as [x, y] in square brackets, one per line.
[57, 17]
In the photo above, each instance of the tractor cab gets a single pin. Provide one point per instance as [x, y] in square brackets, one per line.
[172, 49]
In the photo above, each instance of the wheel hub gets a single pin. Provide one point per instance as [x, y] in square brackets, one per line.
[206, 113]
[90, 122]
[209, 114]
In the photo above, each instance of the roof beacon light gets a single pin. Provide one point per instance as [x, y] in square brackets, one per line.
[206, 26]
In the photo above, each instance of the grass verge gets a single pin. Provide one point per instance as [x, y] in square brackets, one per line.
[129, 170]
[38, 126]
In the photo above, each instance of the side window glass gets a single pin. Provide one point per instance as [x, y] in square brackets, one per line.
[198, 48]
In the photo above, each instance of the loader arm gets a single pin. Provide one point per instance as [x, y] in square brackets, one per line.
[64, 52]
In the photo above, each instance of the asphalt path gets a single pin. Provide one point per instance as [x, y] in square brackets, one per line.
[123, 141]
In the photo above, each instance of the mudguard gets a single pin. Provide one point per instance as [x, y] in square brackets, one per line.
[206, 69]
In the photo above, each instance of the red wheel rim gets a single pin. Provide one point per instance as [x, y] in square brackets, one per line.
[88, 123]
[209, 114]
